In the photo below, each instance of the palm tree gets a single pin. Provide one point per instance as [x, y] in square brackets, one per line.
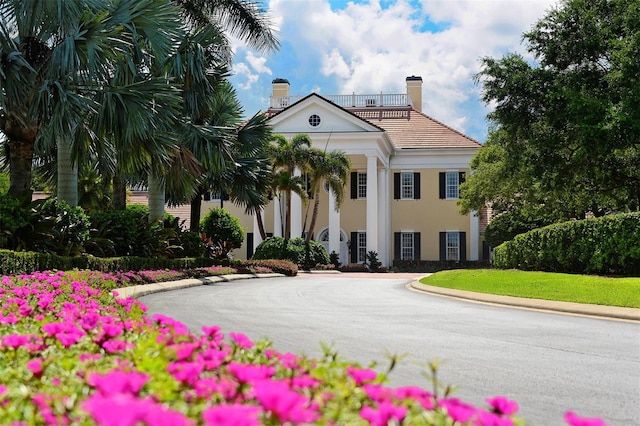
[333, 168]
[287, 156]
[58, 56]
[201, 67]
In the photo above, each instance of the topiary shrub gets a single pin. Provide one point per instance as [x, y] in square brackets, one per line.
[295, 251]
[223, 233]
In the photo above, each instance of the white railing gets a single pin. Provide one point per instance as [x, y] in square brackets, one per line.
[400, 100]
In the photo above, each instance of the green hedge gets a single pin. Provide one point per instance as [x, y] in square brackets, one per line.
[13, 262]
[608, 245]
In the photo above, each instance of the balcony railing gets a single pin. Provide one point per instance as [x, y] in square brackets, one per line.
[400, 101]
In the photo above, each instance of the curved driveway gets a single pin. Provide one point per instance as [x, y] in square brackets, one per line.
[549, 363]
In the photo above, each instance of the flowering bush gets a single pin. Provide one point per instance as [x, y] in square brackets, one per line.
[72, 354]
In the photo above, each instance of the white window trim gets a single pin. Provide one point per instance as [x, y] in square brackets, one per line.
[358, 246]
[413, 185]
[402, 246]
[446, 184]
[449, 232]
[360, 186]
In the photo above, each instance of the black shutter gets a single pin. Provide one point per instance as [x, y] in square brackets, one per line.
[249, 245]
[269, 234]
[354, 185]
[207, 196]
[396, 186]
[486, 255]
[396, 245]
[461, 177]
[443, 246]
[354, 247]
[416, 246]
[416, 186]
[463, 246]
[225, 196]
[443, 187]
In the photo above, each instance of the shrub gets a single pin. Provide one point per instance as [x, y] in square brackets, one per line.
[372, 262]
[295, 251]
[334, 259]
[99, 360]
[605, 245]
[509, 224]
[223, 232]
[278, 266]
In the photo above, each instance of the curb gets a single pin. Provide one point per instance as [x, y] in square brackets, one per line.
[146, 289]
[598, 311]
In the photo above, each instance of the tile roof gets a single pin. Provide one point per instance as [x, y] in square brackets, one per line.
[418, 131]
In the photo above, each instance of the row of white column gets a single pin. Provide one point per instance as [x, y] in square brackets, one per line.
[378, 217]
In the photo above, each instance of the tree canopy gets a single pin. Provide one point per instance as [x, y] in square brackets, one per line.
[565, 131]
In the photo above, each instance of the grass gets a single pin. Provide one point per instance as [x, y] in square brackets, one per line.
[589, 289]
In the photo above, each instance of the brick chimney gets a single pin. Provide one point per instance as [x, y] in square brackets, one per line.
[414, 90]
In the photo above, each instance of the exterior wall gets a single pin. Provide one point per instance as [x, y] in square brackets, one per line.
[428, 215]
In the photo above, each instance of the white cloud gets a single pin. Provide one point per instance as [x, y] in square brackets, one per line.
[248, 77]
[369, 47]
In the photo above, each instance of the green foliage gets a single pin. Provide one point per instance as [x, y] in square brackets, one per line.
[295, 251]
[116, 229]
[4, 183]
[334, 259]
[509, 224]
[70, 229]
[565, 126]
[608, 245]
[372, 262]
[192, 244]
[223, 232]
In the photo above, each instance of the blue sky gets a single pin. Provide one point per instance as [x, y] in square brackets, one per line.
[370, 46]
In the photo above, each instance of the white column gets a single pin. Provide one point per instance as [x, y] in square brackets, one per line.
[372, 203]
[383, 219]
[474, 235]
[334, 226]
[296, 211]
[277, 219]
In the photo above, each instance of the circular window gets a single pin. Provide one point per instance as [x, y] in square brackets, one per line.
[314, 120]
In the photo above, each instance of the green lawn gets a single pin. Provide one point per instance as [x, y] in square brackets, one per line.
[543, 285]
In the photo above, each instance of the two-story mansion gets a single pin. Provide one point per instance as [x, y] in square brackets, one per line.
[400, 200]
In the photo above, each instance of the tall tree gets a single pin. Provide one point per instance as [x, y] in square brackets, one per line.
[332, 168]
[289, 157]
[566, 125]
[58, 56]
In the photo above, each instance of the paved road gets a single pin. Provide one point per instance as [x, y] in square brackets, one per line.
[549, 363]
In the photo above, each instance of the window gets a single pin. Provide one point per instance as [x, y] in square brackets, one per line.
[450, 185]
[361, 247]
[453, 246]
[406, 185]
[314, 120]
[362, 185]
[406, 246]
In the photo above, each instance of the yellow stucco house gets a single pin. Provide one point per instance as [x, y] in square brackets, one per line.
[400, 199]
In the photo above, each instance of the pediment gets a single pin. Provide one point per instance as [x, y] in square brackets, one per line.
[327, 117]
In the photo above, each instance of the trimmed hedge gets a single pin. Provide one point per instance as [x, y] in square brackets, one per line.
[278, 266]
[13, 262]
[608, 245]
[295, 251]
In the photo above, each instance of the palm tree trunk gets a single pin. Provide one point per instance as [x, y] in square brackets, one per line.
[119, 192]
[156, 197]
[20, 164]
[314, 216]
[196, 206]
[263, 234]
[67, 173]
[287, 218]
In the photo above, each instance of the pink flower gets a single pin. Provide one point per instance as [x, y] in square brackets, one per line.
[115, 346]
[285, 404]
[186, 372]
[385, 413]
[361, 375]
[232, 415]
[116, 410]
[35, 366]
[241, 340]
[458, 410]
[503, 406]
[3, 389]
[246, 373]
[485, 418]
[116, 382]
[574, 420]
